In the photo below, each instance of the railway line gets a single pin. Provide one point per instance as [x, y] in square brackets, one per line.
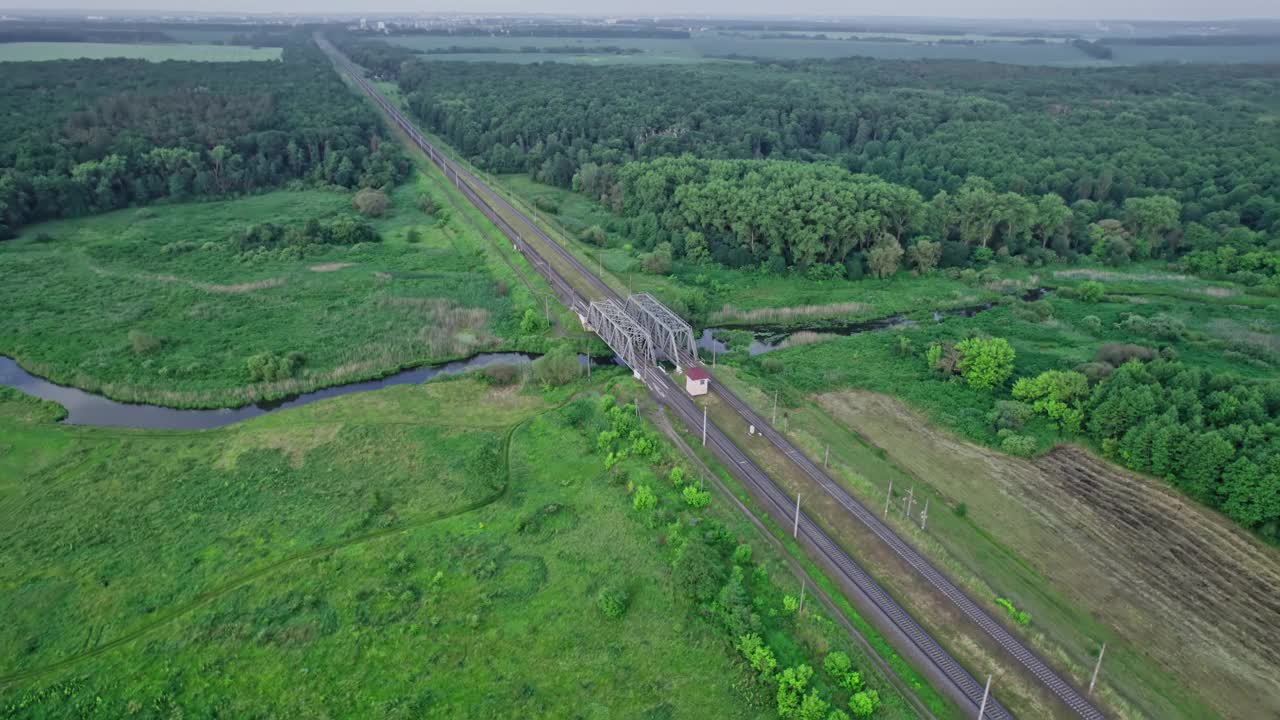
[947, 674]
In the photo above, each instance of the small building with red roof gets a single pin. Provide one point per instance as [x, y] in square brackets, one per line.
[696, 381]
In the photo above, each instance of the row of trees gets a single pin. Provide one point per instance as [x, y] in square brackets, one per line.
[828, 221]
[98, 135]
[1212, 435]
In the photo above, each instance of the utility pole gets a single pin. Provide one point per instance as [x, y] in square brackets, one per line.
[911, 500]
[924, 514]
[795, 527]
[800, 610]
[713, 356]
[982, 709]
[774, 419]
[1096, 668]
[704, 425]
[826, 456]
[887, 497]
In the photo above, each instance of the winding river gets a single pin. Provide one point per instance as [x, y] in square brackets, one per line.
[85, 408]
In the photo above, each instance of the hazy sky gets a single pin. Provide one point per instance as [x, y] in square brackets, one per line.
[1041, 9]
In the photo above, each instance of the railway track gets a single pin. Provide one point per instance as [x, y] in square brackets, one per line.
[957, 682]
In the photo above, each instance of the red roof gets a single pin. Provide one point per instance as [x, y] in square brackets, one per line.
[697, 373]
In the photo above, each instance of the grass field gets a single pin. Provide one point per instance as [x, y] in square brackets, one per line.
[153, 305]
[422, 551]
[42, 51]
[702, 46]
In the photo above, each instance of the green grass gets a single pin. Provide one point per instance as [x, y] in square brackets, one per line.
[420, 551]
[43, 51]
[78, 288]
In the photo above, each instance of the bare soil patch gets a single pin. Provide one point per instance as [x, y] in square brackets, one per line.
[330, 267]
[1189, 590]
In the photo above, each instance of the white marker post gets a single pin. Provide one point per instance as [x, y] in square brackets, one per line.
[795, 528]
[887, 498]
[704, 425]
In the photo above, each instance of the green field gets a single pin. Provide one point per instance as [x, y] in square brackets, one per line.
[702, 46]
[42, 51]
[177, 312]
[424, 551]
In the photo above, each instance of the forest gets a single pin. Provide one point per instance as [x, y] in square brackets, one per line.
[115, 133]
[1142, 161]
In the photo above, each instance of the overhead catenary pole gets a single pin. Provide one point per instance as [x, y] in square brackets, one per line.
[887, 498]
[826, 456]
[1094, 680]
[911, 500]
[924, 514]
[800, 610]
[982, 709]
[704, 425]
[774, 419]
[795, 527]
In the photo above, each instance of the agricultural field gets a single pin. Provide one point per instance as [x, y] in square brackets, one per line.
[713, 45]
[180, 309]
[297, 560]
[45, 51]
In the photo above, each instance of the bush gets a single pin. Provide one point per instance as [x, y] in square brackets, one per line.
[413, 236]
[612, 601]
[865, 703]
[1117, 354]
[985, 363]
[1092, 291]
[558, 367]
[270, 367]
[370, 203]
[695, 498]
[501, 375]
[1015, 444]
[772, 365]
[961, 510]
[742, 554]
[594, 235]
[546, 204]
[533, 322]
[1092, 323]
[1010, 414]
[427, 204]
[676, 476]
[885, 257]
[658, 262]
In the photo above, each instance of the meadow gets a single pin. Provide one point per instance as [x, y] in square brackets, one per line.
[178, 313]
[45, 51]
[455, 549]
[712, 45]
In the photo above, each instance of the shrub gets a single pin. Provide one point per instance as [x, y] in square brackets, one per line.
[925, 255]
[546, 204]
[558, 367]
[427, 204]
[1092, 323]
[772, 364]
[270, 367]
[695, 498]
[961, 510]
[644, 500]
[985, 363]
[676, 476]
[1092, 291]
[370, 203]
[864, 704]
[504, 374]
[612, 601]
[742, 554]
[594, 235]
[837, 663]
[658, 262]
[533, 322]
[413, 236]
[1117, 354]
[1015, 444]
[1010, 414]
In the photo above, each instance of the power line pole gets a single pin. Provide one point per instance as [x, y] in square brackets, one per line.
[774, 419]
[887, 497]
[911, 500]
[1096, 668]
[795, 527]
[924, 514]
[982, 709]
[826, 456]
[800, 610]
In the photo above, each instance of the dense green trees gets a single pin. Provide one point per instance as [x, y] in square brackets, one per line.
[97, 135]
[1128, 163]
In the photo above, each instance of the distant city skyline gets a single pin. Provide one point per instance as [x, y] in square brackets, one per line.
[1080, 10]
